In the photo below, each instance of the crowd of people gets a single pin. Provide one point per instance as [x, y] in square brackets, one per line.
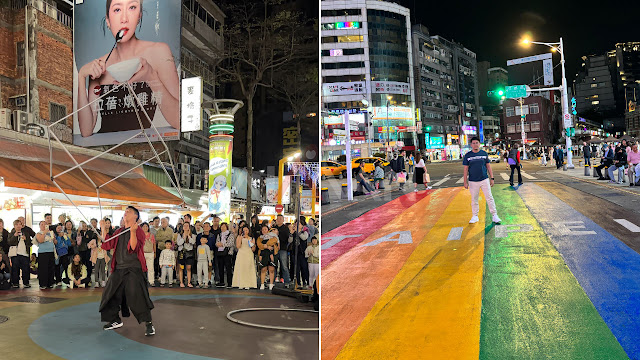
[189, 254]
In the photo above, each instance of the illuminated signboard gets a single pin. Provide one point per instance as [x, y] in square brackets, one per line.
[335, 52]
[395, 113]
[348, 25]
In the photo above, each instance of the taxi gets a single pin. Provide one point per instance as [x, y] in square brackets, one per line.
[332, 168]
[494, 156]
[369, 163]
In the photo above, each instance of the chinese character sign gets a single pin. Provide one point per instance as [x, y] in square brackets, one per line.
[343, 88]
[191, 104]
[390, 87]
[290, 137]
[113, 115]
[220, 150]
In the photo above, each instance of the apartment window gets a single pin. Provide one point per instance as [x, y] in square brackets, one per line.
[527, 127]
[342, 52]
[342, 12]
[535, 126]
[595, 102]
[20, 53]
[594, 85]
[344, 65]
[510, 111]
[533, 108]
[525, 108]
[56, 112]
[342, 39]
[595, 96]
[511, 128]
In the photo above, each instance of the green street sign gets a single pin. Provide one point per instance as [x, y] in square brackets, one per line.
[516, 91]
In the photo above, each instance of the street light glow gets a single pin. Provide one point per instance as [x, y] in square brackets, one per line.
[554, 49]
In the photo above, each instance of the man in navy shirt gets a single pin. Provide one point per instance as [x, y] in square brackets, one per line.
[476, 165]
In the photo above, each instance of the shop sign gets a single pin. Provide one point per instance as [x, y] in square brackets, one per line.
[14, 203]
[390, 87]
[343, 88]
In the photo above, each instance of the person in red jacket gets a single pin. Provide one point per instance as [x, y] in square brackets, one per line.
[127, 281]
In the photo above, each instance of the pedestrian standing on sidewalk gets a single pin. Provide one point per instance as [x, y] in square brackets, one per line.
[477, 169]
[398, 169]
[411, 163]
[633, 160]
[420, 175]
[586, 152]
[514, 163]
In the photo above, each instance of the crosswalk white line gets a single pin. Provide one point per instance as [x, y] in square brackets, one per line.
[504, 176]
[442, 181]
[455, 233]
[460, 181]
[524, 174]
[629, 225]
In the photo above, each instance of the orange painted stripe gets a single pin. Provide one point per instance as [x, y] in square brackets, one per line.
[354, 282]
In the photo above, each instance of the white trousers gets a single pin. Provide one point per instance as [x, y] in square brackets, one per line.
[149, 258]
[164, 271]
[314, 271]
[485, 186]
[203, 272]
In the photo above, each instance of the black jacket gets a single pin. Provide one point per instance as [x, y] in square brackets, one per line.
[607, 160]
[13, 240]
[620, 159]
[4, 241]
[586, 150]
[397, 165]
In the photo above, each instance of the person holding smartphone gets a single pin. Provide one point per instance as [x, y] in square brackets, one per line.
[19, 249]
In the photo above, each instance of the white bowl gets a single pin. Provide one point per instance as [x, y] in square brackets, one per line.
[124, 70]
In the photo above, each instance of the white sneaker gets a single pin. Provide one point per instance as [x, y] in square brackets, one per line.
[428, 187]
[270, 286]
[262, 287]
[474, 220]
[496, 219]
[104, 283]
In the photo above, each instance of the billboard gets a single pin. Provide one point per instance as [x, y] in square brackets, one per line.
[272, 190]
[147, 56]
[531, 70]
[191, 104]
[343, 88]
[220, 151]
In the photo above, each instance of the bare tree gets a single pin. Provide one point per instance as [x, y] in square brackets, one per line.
[260, 37]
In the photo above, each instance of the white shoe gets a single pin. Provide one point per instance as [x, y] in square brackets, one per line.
[262, 287]
[270, 286]
[496, 219]
[104, 283]
[428, 187]
[415, 190]
[474, 220]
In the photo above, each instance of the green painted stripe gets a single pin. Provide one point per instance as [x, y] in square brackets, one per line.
[532, 305]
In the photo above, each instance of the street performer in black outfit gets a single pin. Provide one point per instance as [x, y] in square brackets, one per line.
[126, 287]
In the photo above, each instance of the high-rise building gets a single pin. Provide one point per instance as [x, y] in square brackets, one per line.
[594, 86]
[626, 57]
[446, 81]
[366, 54]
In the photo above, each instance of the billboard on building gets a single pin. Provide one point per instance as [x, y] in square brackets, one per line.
[147, 56]
[272, 190]
[220, 151]
[531, 70]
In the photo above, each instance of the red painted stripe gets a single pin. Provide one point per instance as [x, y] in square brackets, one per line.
[367, 224]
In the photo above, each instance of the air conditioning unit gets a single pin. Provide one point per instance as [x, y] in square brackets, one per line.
[5, 119]
[192, 161]
[198, 182]
[36, 130]
[20, 120]
[21, 101]
[185, 180]
[184, 168]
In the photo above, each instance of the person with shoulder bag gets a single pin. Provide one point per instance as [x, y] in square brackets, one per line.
[186, 253]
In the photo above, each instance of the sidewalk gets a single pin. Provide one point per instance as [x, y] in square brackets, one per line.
[578, 173]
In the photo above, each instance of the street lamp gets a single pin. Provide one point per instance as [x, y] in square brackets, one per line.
[559, 47]
[367, 124]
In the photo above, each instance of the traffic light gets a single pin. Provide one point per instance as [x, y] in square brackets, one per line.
[499, 93]
[428, 128]
[570, 132]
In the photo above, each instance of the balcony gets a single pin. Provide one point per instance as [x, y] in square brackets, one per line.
[202, 35]
[46, 8]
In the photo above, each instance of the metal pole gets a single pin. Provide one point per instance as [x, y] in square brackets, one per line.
[388, 129]
[367, 122]
[348, 148]
[565, 108]
[523, 134]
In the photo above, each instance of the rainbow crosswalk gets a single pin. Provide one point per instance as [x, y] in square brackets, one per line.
[413, 280]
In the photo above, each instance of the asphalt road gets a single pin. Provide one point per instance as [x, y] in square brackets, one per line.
[449, 174]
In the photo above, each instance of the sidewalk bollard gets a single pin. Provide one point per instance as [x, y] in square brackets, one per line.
[632, 175]
[587, 170]
[324, 196]
[606, 173]
[564, 167]
[344, 194]
[595, 173]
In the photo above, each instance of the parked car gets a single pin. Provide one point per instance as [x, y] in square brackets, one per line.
[495, 156]
[331, 169]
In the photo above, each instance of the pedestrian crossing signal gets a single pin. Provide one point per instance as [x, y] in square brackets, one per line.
[569, 132]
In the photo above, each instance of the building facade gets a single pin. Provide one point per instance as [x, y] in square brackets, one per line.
[595, 85]
[446, 80]
[541, 124]
[366, 54]
[36, 78]
[626, 57]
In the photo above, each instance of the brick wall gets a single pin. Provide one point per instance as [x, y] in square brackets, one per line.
[45, 21]
[55, 62]
[47, 96]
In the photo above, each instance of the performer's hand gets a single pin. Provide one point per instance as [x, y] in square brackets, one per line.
[134, 227]
[102, 224]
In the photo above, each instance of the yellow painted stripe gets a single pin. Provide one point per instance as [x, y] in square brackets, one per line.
[431, 310]
[353, 283]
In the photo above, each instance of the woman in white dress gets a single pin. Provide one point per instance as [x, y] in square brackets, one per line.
[244, 274]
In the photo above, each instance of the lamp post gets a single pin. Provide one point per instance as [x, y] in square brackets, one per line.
[286, 158]
[388, 127]
[523, 134]
[365, 102]
[566, 118]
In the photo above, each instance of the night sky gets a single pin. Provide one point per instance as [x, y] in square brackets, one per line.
[492, 29]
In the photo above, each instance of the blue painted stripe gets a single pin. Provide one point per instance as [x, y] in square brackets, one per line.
[606, 268]
[75, 333]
